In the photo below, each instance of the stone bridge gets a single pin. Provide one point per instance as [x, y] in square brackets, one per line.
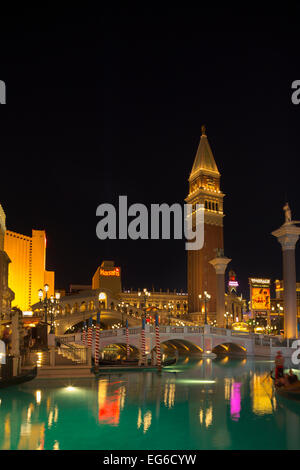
[188, 339]
[108, 316]
[191, 340]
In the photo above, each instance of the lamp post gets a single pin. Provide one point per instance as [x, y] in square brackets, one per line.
[226, 315]
[124, 309]
[206, 299]
[50, 305]
[279, 309]
[53, 309]
[145, 294]
[170, 311]
[45, 301]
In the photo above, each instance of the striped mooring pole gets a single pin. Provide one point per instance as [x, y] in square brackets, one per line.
[97, 338]
[127, 341]
[143, 348]
[84, 332]
[90, 333]
[157, 342]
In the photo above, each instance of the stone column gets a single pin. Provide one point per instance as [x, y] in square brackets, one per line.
[288, 235]
[15, 342]
[220, 264]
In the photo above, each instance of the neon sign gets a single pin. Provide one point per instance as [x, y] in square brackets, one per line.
[232, 280]
[260, 281]
[113, 272]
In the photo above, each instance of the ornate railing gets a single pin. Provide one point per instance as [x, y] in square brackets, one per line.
[75, 353]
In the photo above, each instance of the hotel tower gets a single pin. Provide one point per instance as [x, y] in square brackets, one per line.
[204, 188]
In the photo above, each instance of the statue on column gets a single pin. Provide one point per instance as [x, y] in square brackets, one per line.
[287, 213]
[219, 252]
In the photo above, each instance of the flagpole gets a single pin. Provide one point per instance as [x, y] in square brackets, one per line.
[97, 340]
[157, 341]
[143, 343]
[84, 333]
[127, 341]
[89, 335]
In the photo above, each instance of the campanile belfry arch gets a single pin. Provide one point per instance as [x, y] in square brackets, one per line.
[204, 188]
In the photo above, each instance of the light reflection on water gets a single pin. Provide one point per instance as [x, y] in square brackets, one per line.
[198, 404]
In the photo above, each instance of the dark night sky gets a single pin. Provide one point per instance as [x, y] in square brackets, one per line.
[111, 102]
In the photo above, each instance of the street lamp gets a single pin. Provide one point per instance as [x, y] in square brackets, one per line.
[54, 308]
[50, 304]
[206, 299]
[170, 310]
[279, 309]
[145, 295]
[46, 300]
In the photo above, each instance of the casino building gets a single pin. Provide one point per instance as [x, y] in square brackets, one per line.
[172, 306]
[27, 270]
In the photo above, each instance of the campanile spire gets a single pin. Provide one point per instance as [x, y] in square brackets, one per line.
[204, 188]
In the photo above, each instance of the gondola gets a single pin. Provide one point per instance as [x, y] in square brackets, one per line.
[129, 367]
[117, 363]
[291, 392]
[19, 379]
[132, 363]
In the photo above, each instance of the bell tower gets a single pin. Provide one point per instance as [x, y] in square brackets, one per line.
[204, 188]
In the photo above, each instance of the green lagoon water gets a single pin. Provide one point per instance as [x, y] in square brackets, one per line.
[197, 404]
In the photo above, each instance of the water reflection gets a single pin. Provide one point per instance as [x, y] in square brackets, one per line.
[235, 401]
[169, 395]
[263, 399]
[201, 404]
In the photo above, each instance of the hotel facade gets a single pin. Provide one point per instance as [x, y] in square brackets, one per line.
[27, 272]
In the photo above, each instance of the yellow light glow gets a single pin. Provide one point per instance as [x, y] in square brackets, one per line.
[27, 313]
[38, 396]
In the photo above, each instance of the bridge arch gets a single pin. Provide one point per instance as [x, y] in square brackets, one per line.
[67, 309]
[119, 351]
[182, 346]
[229, 348]
[74, 308]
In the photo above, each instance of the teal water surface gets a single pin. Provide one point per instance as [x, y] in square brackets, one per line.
[197, 404]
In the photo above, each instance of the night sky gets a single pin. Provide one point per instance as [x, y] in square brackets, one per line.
[110, 102]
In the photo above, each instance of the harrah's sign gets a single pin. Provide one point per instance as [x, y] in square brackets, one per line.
[112, 272]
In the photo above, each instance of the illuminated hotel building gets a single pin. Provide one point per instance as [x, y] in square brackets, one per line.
[204, 188]
[6, 294]
[27, 273]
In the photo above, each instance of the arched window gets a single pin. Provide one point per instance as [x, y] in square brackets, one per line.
[75, 308]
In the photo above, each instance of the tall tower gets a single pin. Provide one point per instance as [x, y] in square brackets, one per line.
[204, 188]
[6, 294]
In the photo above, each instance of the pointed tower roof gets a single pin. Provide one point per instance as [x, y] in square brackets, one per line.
[204, 160]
